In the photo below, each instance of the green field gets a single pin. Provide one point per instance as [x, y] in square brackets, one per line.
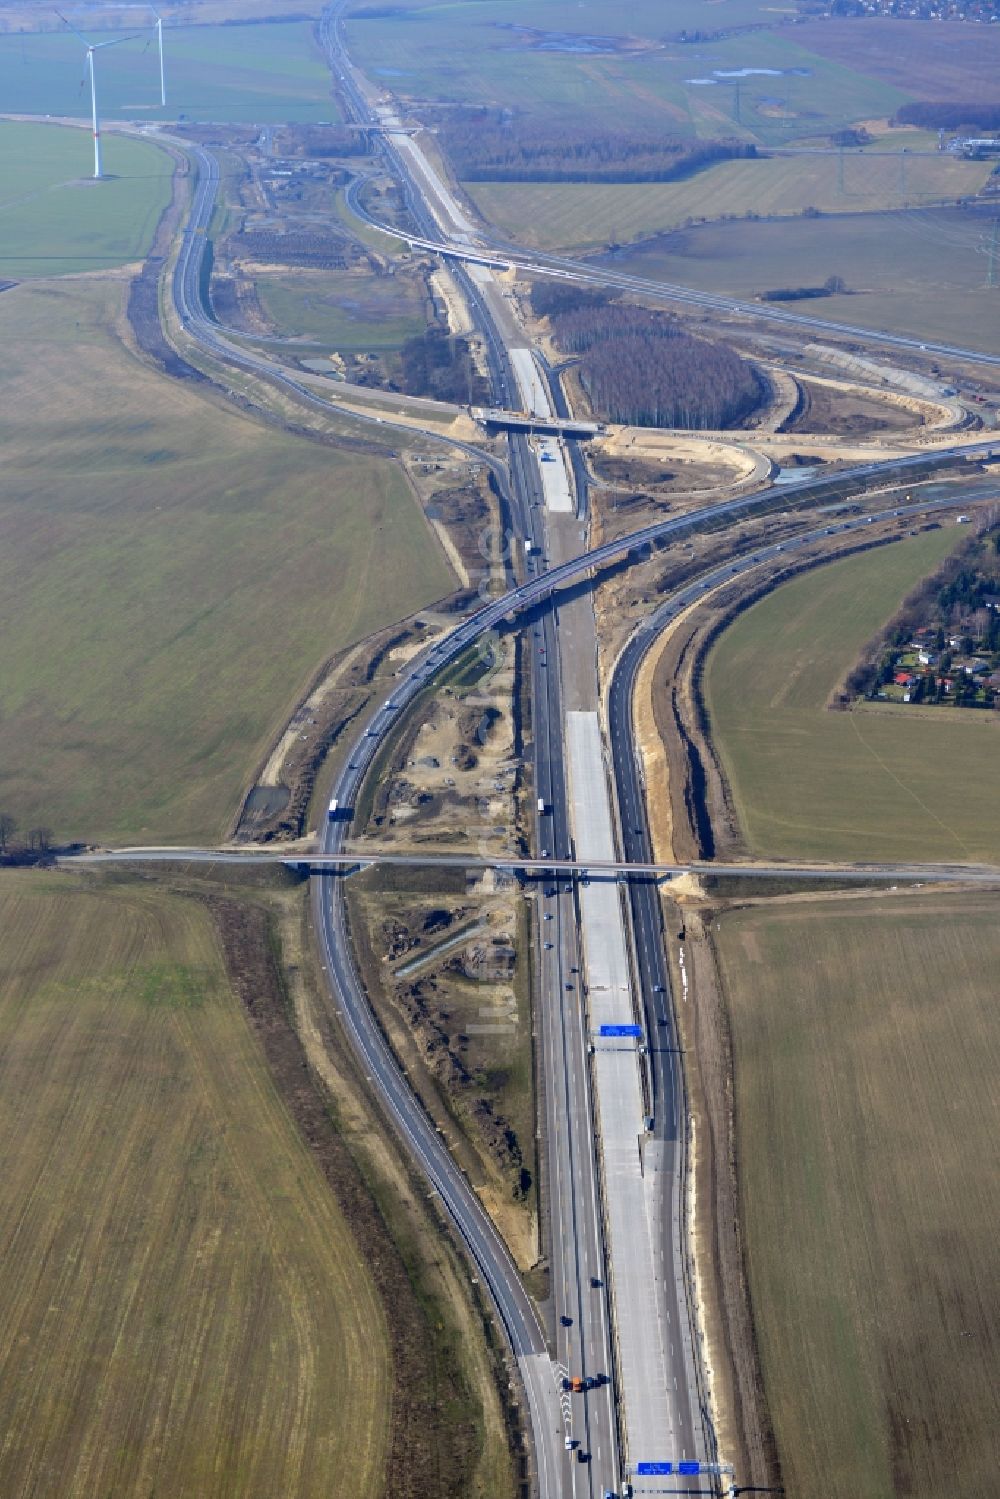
[262, 74]
[866, 1097]
[467, 53]
[549, 216]
[183, 1309]
[349, 312]
[171, 575]
[921, 273]
[874, 783]
[54, 218]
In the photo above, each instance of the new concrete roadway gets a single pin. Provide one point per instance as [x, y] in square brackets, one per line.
[583, 1332]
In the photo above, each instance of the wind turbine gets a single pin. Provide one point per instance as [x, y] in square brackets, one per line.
[159, 38]
[93, 47]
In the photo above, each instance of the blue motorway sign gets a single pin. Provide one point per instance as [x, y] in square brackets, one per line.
[621, 1030]
[654, 1470]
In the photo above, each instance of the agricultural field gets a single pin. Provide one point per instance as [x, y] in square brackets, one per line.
[922, 273]
[184, 1309]
[346, 310]
[23, 15]
[55, 219]
[550, 216]
[865, 1107]
[944, 61]
[872, 783]
[565, 57]
[260, 74]
[172, 573]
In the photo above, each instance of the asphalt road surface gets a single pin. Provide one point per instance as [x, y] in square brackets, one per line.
[582, 1335]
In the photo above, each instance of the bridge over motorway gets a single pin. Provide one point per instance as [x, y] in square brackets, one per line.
[524, 421]
[350, 860]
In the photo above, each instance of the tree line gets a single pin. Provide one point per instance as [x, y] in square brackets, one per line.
[949, 116]
[492, 145]
[35, 847]
[639, 367]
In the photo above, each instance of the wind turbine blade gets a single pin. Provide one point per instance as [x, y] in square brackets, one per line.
[72, 28]
[96, 46]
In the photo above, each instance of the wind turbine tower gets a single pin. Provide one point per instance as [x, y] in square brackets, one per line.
[93, 47]
[163, 76]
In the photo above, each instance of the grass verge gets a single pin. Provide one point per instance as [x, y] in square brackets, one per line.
[350, 312]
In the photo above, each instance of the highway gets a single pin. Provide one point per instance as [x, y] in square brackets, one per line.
[502, 255]
[579, 1330]
[582, 1335]
[484, 1244]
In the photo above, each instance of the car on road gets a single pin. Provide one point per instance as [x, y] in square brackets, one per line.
[548, 947]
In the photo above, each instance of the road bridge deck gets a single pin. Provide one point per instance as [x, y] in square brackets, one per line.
[525, 421]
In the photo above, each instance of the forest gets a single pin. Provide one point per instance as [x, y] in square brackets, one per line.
[639, 367]
[949, 116]
[433, 364]
[493, 145]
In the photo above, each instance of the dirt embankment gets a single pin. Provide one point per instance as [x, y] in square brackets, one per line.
[143, 307]
[743, 1424]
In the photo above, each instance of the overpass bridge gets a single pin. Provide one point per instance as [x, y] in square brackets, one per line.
[547, 426]
[366, 856]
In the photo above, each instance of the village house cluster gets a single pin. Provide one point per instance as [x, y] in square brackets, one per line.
[961, 668]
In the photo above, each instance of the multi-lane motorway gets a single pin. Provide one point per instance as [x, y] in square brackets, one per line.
[580, 1334]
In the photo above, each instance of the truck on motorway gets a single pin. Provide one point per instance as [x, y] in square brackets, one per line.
[334, 810]
[542, 809]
